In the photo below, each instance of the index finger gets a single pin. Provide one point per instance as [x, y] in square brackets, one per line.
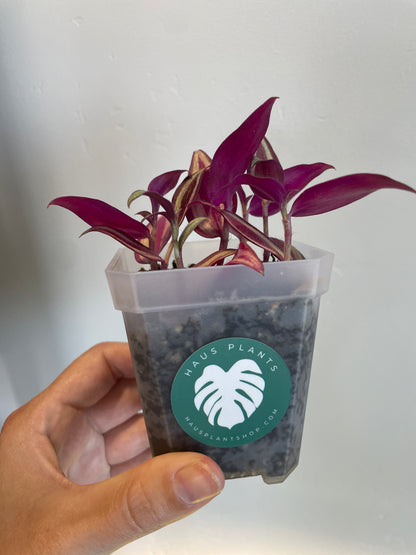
[92, 375]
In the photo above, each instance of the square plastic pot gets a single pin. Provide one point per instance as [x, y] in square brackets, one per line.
[171, 315]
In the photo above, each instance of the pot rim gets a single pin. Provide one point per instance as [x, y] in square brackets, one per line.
[158, 291]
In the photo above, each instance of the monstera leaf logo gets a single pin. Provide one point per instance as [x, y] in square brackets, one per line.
[229, 398]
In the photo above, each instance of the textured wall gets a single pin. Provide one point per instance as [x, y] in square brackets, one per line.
[98, 97]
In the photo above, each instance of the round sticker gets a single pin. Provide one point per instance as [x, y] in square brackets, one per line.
[231, 392]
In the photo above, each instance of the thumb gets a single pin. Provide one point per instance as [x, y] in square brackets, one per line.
[145, 498]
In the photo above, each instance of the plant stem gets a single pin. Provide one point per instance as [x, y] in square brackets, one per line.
[168, 253]
[287, 226]
[153, 263]
[177, 253]
[224, 238]
[265, 214]
[224, 241]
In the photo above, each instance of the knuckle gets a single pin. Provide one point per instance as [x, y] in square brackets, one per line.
[11, 421]
[99, 347]
[103, 346]
[142, 512]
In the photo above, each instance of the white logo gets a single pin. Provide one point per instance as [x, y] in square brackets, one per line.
[229, 398]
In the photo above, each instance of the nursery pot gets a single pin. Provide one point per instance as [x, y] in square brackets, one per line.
[222, 355]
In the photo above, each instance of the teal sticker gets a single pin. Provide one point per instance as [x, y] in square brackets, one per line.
[231, 392]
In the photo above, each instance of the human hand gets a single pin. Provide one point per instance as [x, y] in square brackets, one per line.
[76, 475]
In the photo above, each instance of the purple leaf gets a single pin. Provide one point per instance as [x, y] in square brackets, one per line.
[98, 213]
[213, 224]
[156, 200]
[145, 215]
[185, 194]
[267, 168]
[213, 258]
[204, 179]
[297, 177]
[341, 191]
[234, 154]
[264, 187]
[125, 240]
[256, 207]
[165, 182]
[245, 230]
[246, 255]
[265, 153]
[163, 233]
[267, 189]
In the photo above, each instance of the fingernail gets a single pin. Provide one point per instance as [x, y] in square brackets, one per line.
[195, 483]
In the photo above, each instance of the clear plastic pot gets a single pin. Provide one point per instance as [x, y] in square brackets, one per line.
[175, 320]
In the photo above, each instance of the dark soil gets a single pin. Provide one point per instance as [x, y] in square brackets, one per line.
[161, 342]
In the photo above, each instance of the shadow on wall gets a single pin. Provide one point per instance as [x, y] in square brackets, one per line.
[24, 321]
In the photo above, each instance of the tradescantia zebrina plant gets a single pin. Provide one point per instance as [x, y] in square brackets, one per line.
[223, 196]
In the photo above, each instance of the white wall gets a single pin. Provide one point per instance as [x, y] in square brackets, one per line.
[98, 97]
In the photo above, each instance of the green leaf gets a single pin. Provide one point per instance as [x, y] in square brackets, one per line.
[193, 224]
[200, 160]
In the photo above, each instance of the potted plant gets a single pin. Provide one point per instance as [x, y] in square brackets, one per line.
[222, 343]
